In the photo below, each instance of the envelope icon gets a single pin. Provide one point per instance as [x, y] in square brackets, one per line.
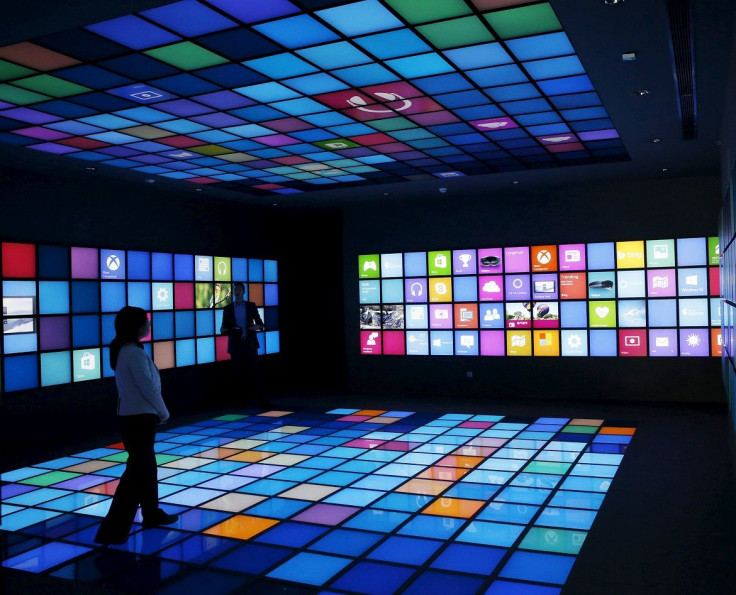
[661, 342]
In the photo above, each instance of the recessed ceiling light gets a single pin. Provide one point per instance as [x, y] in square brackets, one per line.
[628, 56]
[90, 168]
[665, 170]
[655, 140]
[198, 190]
[443, 190]
[641, 92]
[612, 2]
[150, 181]
[515, 181]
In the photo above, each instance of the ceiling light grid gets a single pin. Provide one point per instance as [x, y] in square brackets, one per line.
[249, 96]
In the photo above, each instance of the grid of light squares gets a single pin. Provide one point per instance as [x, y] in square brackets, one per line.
[277, 96]
[357, 501]
[59, 306]
[639, 298]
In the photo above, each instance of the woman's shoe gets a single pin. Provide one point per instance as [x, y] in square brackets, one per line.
[160, 518]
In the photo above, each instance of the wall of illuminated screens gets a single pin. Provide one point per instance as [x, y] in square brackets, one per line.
[655, 298]
[59, 306]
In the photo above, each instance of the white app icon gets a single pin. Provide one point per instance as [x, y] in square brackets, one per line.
[162, 294]
[370, 264]
[465, 259]
[113, 262]
[203, 265]
[632, 341]
[87, 361]
[543, 256]
[467, 340]
[417, 314]
[442, 314]
[518, 340]
[492, 315]
[661, 342]
[416, 289]
[691, 279]
[660, 282]
[491, 287]
[436, 342]
[222, 268]
[572, 256]
[466, 314]
[440, 288]
[574, 341]
[372, 339]
[440, 261]
[661, 251]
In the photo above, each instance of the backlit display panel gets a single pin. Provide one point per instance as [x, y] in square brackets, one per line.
[658, 298]
[349, 500]
[288, 97]
[66, 314]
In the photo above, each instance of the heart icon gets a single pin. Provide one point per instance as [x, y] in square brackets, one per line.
[602, 311]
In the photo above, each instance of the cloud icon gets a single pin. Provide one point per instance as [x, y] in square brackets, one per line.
[491, 287]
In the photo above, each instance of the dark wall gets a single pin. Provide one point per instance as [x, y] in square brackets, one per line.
[617, 211]
[65, 208]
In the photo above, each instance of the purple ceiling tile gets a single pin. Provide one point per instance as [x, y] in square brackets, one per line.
[183, 107]
[598, 135]
[42, 133]
[53, 148]
[277, 140]
[31, 116]
[326, 514]
[287, 125]
[218, 120]
[119, 151]
[356, 152]
[433, 118]
[224, 100]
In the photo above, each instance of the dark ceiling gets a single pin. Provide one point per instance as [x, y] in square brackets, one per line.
[600, 33]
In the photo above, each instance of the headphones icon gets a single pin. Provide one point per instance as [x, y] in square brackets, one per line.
[221, 267]
[416, 289]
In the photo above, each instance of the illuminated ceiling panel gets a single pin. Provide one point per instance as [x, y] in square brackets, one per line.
[279, 97]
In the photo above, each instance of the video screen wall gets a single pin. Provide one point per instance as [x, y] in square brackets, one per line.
[656, 298]
[59, 305]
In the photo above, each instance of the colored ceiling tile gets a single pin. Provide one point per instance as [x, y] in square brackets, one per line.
[148, 132]
[334, 55]
[478, 56]
[541, 46]
[358, 18]
[497, 4]
[526, 20]
[421, 65]
[429, 10]
[456, 32]
[314, 84]
[188, 18]
[280, 66]
[18, 96]
[9, 71]
[268, 92]
[34, 56]
[296, 32]
[253, 12]
[554, 67]
[133, 32]
[392, 44]
[186, 55]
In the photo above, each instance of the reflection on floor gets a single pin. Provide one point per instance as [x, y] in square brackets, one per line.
[352, 501]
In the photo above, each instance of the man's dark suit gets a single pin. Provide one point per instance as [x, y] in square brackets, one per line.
[242, 345]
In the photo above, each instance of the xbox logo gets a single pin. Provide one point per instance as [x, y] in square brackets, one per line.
[113, 262]
[543, 257]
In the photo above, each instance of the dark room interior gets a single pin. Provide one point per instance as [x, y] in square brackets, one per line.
[667, 522]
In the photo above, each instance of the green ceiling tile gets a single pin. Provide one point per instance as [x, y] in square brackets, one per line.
[457, 32]
[302, 176]
[210, 150]
[19, 96]
[186, 55]
[580, 429]
[50, 85]
[422, 11]
[8, 71]
[527, 20]
[547, 467]
[391, 124]
[162, 459]
[50, 478]
[149, 132]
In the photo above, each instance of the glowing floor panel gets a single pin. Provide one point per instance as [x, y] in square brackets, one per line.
[347, 501]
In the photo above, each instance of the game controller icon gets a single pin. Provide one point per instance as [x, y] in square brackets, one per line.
[601, 284]
[369, 264]
[490, 261]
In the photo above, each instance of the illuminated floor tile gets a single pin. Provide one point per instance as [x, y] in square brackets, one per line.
[372, 504]
[313, 569]
[45, 557]
[241, 527]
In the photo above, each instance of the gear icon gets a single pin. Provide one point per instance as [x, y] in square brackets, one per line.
[162, 294]
[574, 341]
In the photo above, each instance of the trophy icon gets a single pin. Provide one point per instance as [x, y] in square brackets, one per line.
[465, 259]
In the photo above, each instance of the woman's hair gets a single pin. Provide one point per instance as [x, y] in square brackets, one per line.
[128, 323]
